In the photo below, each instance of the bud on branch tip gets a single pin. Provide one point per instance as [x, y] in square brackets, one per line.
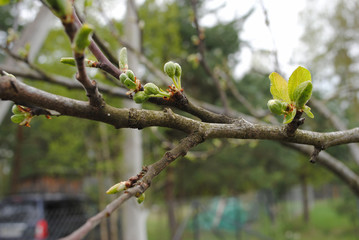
[82, 38]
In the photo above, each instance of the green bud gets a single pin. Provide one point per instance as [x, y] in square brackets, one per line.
[178, 71]
[131, 75]
[15, 109]
[130, 84]
[302, 94]
[82, 36]
[123, 60]
[277, 106]
[151, 88]
[117, 188]
[18, 118]
[170, 69]
[123, 77]
[141, 198]
[68, 60]
[61, 8]
[140, 97]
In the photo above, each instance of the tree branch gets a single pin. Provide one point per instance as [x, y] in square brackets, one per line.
[12, 89]
[141, 186]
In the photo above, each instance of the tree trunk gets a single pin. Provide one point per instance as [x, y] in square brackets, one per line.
[305, 199]
[16, 164]
[169, 194]
[133, 216]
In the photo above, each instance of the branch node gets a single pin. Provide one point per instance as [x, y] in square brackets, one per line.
[315, 154]
[294, 125]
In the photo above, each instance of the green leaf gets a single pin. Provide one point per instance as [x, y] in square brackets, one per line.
[299, 76]
[289, 117]
[307, 111]
[18, 118]
[82, 38]
[123, 64]
[302, 94]
[279, 87]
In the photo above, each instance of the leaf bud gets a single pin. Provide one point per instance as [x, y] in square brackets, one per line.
[151, 88]
[170, 69]
[302, 94]
[117, 188]
[82, 36]
[178, 71]
[68, 60]
[15, 109]
[123, 60]
[130, 84]
[277, 106]
[123, 77]
[140, 97]
[18, 118]
[131, 75]
[141, 198]
[61, 8]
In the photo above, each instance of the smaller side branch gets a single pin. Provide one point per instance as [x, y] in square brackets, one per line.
[141, 186]
[90, 86]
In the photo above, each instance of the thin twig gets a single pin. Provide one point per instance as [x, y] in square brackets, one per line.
[203, 61]
[141, 186]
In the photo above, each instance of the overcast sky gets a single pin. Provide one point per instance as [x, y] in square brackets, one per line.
[285, 28]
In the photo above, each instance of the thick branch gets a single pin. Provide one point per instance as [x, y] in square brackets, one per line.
[12, 89]
[334, 165]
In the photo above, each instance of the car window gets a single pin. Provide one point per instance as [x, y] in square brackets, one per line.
[18, 212]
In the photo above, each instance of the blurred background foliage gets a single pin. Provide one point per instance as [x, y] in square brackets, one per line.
[74, 148]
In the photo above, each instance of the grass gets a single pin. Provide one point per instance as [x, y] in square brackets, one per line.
[326, 223]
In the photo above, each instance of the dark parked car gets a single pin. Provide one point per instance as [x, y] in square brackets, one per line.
[40, 216]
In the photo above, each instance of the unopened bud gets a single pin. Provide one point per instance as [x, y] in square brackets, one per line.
[130, 84]
[123, 77]
[18, 118]
[170, 69]
[277, 106]
[178, 71]
[131, 75]
[141, 198]
[151, 88]
[61, 8]
[123, 60]
[117, 188]
[68, 60]
[140, 97]
[15, 109]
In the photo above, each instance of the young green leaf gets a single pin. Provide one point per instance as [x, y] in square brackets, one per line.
[279, 87]
[130, 84]
[82, 38]
[299, 76]
[307, 111]
[123, 64]
[302, 94]
[289, 117]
